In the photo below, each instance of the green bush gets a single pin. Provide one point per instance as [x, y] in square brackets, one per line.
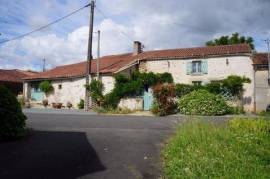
[183, 89]
[201, 149]
[234, 85]
[12, 120]
[164, 103]
[46, 86]
[96, 88]
[201, 102]
[81, 104]
[165, 77]
[133, 86]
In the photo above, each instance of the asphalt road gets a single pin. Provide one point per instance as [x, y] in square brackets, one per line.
[87, 146]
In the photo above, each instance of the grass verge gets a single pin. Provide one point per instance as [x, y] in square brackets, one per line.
[200, 149]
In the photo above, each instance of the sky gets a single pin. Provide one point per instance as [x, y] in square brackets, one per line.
[158, 24]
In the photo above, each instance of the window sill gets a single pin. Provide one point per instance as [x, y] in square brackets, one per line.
[197, 74]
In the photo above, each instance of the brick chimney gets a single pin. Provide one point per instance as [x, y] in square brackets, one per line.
[137, 48]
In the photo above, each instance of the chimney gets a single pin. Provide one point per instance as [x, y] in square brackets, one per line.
[137, 48]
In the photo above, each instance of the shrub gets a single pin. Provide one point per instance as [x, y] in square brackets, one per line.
[133, 86]
[202, 149]
[164, 103]
[46, 87]
[165, 78]
[12, 120]
[96, 88]
[183, 89]
[81, 104]
[201, 102]
[234, 85]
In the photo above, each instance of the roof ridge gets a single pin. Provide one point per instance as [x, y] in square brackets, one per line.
[192, 48]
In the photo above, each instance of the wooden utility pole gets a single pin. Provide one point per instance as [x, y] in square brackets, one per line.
[89, 56]
[44, 64]
[98, 54]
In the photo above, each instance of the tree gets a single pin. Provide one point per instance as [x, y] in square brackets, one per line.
[235, 38]
[46, 87]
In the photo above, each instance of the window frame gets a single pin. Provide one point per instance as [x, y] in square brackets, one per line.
[196, 67]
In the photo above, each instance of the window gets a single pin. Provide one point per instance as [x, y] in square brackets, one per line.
[197, 83]
[59, 86]
[196, 67]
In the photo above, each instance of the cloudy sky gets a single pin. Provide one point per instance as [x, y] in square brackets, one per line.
[158, 24]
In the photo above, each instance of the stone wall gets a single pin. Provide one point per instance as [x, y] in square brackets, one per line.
[262, 90]
[133, 104]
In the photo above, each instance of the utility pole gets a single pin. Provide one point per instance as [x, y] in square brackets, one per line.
[268, 48]
[98, 54]
[89, 55]
[44, 63]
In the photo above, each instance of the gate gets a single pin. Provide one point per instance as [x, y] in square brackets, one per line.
[147, 100]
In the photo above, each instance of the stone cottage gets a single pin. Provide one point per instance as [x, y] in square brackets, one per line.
[187, 65]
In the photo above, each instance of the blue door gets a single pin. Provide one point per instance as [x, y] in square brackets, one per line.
[37, 95]
[147, 100]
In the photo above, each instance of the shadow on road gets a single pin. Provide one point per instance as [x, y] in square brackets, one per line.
[49, 155]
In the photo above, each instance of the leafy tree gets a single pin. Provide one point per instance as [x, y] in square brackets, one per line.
[235, 38]
[46, 86]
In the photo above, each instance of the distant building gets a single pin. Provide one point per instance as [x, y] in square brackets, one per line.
[262, 89]
[13, 79]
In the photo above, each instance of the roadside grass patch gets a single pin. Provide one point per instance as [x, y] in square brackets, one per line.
[201, 149]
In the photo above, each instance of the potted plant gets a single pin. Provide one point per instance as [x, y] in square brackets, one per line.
[45, 103]
[69, 105]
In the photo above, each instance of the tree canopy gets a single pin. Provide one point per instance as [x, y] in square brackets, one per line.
[235, 38]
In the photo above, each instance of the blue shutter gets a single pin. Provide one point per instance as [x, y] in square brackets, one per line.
[205, 67]
[188, 68]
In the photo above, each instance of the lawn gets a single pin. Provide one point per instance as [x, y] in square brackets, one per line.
[200, 149]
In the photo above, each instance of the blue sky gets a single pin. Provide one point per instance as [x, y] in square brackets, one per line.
[158, 24]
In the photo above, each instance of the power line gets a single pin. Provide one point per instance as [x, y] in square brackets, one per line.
[45, 26]
[106, 17]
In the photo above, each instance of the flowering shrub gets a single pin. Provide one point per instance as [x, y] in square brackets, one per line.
[164, 103]
[201, 102]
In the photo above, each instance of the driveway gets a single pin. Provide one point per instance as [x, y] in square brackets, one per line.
[87, 146]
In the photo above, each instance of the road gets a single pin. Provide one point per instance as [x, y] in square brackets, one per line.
[87, 146]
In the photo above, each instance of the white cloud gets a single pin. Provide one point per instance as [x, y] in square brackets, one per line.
[158, 24]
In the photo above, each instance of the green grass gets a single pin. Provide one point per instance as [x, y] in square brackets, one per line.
[201, 149]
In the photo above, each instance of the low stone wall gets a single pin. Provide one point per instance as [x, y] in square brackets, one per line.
[135, 103]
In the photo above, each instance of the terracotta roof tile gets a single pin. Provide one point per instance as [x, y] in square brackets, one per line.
[14, 75]
[112, 63]
[260, 59]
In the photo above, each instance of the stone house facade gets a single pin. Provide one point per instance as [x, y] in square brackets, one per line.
[187, 65]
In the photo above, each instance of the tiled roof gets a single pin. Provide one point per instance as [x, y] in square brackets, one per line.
[260, 59]
[108, 64]
[113, 63]
[14, 75]
[197, 52]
